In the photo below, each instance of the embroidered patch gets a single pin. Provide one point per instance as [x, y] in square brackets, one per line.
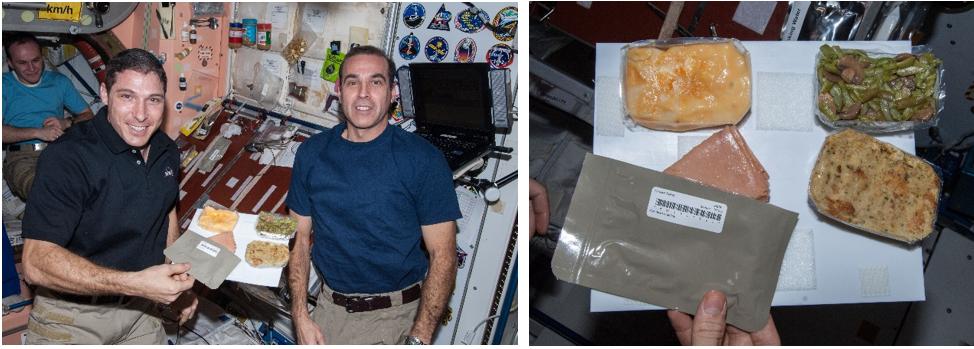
[505, 24]
[441, 20]
[468, 22]
[409, 47]
[500, 56]
[466, 51]
[414, 15]
[437, 49]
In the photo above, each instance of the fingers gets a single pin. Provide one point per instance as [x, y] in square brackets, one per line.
[188, 312]
[710, 323]
[682, 325]
[736, 336]
[308, 331]
[540, 214]
[179, 268]
[50, 121]
[767, 335]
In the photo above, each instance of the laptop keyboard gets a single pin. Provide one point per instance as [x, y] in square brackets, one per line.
[452, 148]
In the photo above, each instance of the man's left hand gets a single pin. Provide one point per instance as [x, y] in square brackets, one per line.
[185, 306]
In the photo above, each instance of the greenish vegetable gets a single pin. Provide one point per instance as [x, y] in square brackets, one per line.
[825, 110]
[883, 87]
[276, 225]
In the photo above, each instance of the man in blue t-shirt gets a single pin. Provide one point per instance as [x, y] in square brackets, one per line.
[371, 193]
[34, 100]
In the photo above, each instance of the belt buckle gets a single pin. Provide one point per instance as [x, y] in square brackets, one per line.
[349, 300]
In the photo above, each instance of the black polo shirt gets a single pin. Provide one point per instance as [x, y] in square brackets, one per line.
[95, 196]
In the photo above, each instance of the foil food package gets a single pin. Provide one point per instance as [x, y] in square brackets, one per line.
[667, 241]
[832, 20]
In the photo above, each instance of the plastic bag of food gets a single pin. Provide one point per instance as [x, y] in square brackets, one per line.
[275, 226]
[875, 187]
[685, 84]
[878, 91]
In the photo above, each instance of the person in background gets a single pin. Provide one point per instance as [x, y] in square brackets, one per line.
[103, 208]
[370, 193]
[34, 100]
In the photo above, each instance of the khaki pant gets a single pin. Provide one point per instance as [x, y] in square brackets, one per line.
[18, 171]
[384, 326]
[56, 321]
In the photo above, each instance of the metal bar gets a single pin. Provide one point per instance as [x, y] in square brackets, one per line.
[696, 17]
[26, 5]
[662, 15]
[80, 79]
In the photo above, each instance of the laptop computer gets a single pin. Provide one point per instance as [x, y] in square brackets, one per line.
[452, 104]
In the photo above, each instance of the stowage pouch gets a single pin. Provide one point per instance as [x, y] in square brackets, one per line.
[667, 241]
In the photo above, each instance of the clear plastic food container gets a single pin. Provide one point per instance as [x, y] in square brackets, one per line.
[875, 187]
[685, 84]
[275, 226]
[878, 92]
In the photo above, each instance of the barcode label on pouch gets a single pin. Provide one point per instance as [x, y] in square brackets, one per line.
[686, 210]
[208, 248]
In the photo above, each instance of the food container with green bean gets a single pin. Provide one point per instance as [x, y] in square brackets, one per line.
[275, 226]
[878, 92]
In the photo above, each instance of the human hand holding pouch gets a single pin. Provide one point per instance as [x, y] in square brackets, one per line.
[667, 241]
[209, 262]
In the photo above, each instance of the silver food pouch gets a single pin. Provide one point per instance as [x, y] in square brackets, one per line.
[667, 241]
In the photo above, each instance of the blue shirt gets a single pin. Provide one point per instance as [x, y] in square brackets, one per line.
[367, 202]
[95, 196]
[27, 107]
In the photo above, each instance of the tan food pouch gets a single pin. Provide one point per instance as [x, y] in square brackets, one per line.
[667, 241]
[210, 263]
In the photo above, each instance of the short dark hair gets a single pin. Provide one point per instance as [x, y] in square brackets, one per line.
[17, 38]
[371, 51]
[135, 59]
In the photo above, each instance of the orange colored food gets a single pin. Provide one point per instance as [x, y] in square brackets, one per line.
[686, 87]
[218, 221]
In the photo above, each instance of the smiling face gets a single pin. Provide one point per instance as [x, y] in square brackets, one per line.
[26, 62]
[135, 107]
[366, 94]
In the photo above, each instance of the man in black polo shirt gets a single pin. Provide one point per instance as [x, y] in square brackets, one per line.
[102, 209]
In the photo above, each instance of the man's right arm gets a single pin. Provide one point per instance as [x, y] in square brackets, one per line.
[299, 269]
[54, 267]
[12, 134]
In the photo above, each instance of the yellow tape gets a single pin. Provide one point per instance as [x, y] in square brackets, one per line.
[61, 11]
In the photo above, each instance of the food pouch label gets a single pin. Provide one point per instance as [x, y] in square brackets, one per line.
[208, 248]
[686, 210]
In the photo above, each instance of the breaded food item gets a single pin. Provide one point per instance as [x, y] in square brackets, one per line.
[875, 186]
[688, 86]
[724, 161]
[225, 240]
[262, 254]
[218, 221]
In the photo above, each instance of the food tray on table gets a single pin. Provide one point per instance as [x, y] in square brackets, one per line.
[786, 136]
[244, 233]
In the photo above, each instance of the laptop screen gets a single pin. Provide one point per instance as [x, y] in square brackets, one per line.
[452, 94]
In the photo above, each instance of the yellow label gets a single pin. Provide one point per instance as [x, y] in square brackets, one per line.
[62, 11]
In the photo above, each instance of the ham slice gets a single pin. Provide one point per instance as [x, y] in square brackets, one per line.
[226, 240]
[725, 162]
